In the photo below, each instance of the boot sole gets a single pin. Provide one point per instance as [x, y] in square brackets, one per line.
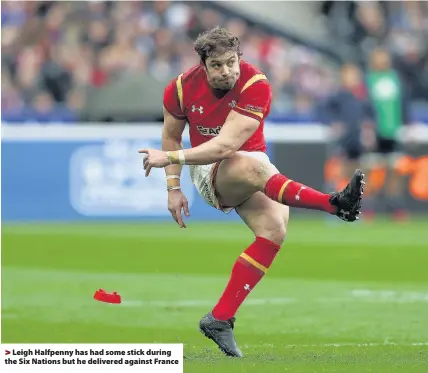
[207, 333]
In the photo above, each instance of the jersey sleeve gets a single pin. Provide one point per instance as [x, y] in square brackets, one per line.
[172, 97]
[255, 100]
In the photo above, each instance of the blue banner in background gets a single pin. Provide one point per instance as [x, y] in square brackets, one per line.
[89, 180]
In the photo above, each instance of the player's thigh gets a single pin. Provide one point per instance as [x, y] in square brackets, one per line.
[265, 217]
[240, 176]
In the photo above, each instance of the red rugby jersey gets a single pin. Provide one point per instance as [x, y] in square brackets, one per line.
[189, 96]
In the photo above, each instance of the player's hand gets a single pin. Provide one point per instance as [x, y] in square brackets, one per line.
[177, 202]
[154, 158]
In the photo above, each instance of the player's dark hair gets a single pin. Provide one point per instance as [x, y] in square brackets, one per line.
[215, 42]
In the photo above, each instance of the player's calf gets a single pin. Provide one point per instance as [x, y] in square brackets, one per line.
[241, 176]
[249, 268]
[346, 204]
[268, 221]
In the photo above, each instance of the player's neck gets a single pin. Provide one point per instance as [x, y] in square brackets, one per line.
[219, 93]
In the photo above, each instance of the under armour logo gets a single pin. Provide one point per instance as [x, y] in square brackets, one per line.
[200, 109]
[247, 287]
[298, 193]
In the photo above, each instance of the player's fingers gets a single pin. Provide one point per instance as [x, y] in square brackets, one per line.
[146, 162]
[180, 218]
[149, 167]
[146, 151]
[174, 216]
[186, 207]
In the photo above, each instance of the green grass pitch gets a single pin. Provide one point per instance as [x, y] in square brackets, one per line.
[339, 297]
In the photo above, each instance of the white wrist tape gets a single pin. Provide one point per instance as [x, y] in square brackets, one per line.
[181, 157]
[172, 177]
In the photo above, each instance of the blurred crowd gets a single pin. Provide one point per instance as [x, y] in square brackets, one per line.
[401, 27]
[52, 52]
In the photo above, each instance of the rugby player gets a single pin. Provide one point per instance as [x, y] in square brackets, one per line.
[225, 100]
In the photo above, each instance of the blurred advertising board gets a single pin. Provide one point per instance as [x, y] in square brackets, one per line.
[89, 172]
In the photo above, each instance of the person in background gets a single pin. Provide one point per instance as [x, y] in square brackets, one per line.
[390, 103]
[349, 114]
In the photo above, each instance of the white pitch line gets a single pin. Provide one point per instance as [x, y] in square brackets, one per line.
[95, 233]
[390, 295]
[370, 344]
[355, 296]
[203, 303]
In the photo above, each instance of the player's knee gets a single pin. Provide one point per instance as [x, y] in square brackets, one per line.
[276, 231]
[279, 226]
[275, 235]
[280, 234]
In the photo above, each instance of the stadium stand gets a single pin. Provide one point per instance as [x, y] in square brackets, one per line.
[74, 62]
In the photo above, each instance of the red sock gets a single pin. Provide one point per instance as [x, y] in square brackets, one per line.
[248, 270]
[284, 190]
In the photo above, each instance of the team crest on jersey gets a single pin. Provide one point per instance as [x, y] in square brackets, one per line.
[209, 131]
[200, 109]
[232, 104]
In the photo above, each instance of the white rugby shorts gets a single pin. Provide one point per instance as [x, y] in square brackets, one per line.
[203, 177]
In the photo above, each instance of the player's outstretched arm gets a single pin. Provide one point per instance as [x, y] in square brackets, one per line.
[235, 132]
